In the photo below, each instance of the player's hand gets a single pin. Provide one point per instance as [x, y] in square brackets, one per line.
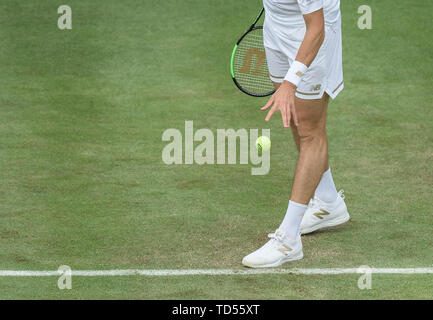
[284, 100]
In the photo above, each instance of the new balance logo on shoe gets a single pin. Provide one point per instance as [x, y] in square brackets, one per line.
[321, 213]
[285, 250]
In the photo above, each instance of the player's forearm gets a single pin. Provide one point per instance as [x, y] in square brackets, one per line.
[314, 36]
[313, 40]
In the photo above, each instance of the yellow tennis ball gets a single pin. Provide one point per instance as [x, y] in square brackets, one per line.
[263, 143]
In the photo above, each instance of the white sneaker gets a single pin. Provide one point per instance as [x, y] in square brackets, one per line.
[275, 252]
[320, 214]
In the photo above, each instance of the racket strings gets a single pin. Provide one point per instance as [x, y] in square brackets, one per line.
[250, 67]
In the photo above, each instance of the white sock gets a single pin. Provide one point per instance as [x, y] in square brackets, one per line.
[326, 190]
[292, 219]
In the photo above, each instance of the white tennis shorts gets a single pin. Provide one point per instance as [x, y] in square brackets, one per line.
[325, 74]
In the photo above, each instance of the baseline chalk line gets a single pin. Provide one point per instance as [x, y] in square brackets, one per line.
[214, 272]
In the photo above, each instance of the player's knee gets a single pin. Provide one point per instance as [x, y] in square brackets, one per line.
[308, 128]
[312, 138]
[311, 134]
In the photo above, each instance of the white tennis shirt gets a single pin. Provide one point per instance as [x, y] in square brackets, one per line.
[284, 18]
[289, 12]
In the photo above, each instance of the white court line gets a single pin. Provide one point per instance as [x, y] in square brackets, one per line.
[215, 272]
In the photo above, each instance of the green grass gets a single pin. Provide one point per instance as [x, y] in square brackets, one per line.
[82, 181]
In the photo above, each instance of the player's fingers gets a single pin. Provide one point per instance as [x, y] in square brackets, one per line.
[283, 111]
[288, 116]
[284, 116]
[270, 113]
[268, 104]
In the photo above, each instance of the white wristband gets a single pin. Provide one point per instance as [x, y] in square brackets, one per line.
[295, 73]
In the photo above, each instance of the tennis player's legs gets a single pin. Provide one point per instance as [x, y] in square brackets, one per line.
[312, 143]
[310, 135]
[313, 147]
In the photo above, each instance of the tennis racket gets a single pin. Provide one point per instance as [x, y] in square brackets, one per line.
[248, 65]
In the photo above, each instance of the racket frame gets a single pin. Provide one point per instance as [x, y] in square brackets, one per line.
[251, 28]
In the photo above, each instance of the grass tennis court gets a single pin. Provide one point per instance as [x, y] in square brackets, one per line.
[82, 182]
